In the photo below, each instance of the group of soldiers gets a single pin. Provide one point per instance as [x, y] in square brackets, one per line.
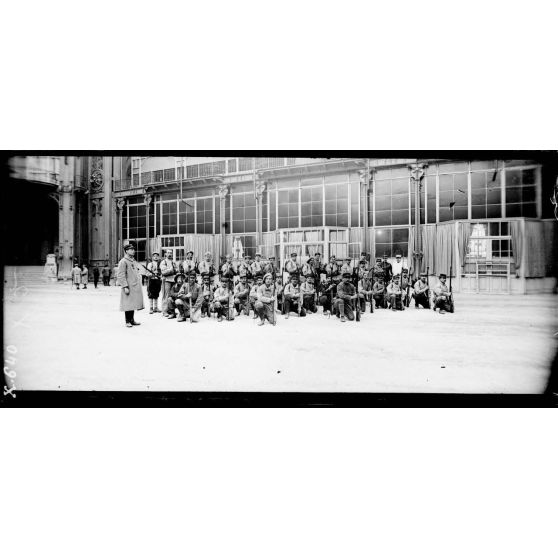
[191, 290]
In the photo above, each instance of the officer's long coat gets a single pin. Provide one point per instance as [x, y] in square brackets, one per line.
[129, 276]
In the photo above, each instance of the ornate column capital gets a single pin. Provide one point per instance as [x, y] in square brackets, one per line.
[417, 171]
[148, 198]
[223, 190]
[260, 188]
[120, 203]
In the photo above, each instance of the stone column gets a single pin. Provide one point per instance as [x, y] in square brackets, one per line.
[223, 192]
[365, 180]
[120, 204]
[260, 189]
[147, 198]
[417, 173]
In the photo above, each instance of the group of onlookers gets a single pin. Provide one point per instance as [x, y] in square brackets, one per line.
[80, 275]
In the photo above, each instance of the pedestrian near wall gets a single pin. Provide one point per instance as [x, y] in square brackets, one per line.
[129, 278]
[76, 275]
[95, 275]
[84, 276]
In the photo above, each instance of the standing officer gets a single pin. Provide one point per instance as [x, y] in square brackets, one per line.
[387, 269]
[129, 278]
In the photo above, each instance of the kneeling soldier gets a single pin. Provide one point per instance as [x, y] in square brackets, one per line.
[309, 295]
[175, 300]
[421, 292]
[328, 290]
[254, 295]
[221, 298]
[192, 302]
[206, 295]
[442, 296]
[293, 298]
[395, 295]
[264, 305]
[346, 294]
[241, 292]
[379, 293]
[365, 293]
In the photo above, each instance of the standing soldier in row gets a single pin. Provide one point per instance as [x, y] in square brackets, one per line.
[292, 298]
[257, 266]
[442, 295]
[169, 269]
[129, 278]
[227, 269]
[188, 265]
[346, 294]
[154, 283]
[264, 306]
[291, 266]
[271, 268]
[347, 267]
[421, 292]
[377, 270]
[309, 295]
[331, 269]
[244, 267]
[387, 269]
[206, 266]
[307, 269]
[397, 267]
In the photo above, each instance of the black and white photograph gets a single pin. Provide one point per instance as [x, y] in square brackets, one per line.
[280, 280]
[281, 275]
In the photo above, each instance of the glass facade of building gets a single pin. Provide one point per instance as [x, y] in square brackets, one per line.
[461, 190]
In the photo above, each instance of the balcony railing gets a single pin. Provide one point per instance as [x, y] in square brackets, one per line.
[204, 170]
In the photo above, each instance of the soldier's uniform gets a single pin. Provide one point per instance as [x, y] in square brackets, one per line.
[264, 306]
[190, 295]
[309, 295]
[405, 283]
[241, 292]
[442, 295]
[365, 293]
[228, 270]
[331, 269]
[292, 298]
[257, 266]
[328, 289]
[378, 271]
[244, 268]
[221, 298]
[76, 276]
[291, 266]
[175, 298]
[154, 285]
[387, 269]
[206, 267]
[254, 295]
[420, 293]
[169, 269]
[279, 293]
[206, 296]
[395, 295]
[346, 267]
[379, 293]
[188, 265]
[343, 305]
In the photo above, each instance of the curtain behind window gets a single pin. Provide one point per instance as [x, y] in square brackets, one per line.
[517, 245]
[444, 248]
[535, 249]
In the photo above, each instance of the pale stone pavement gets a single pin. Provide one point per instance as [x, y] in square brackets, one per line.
[76, 340]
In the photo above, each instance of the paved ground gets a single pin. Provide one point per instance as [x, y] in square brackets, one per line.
[76, 340]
